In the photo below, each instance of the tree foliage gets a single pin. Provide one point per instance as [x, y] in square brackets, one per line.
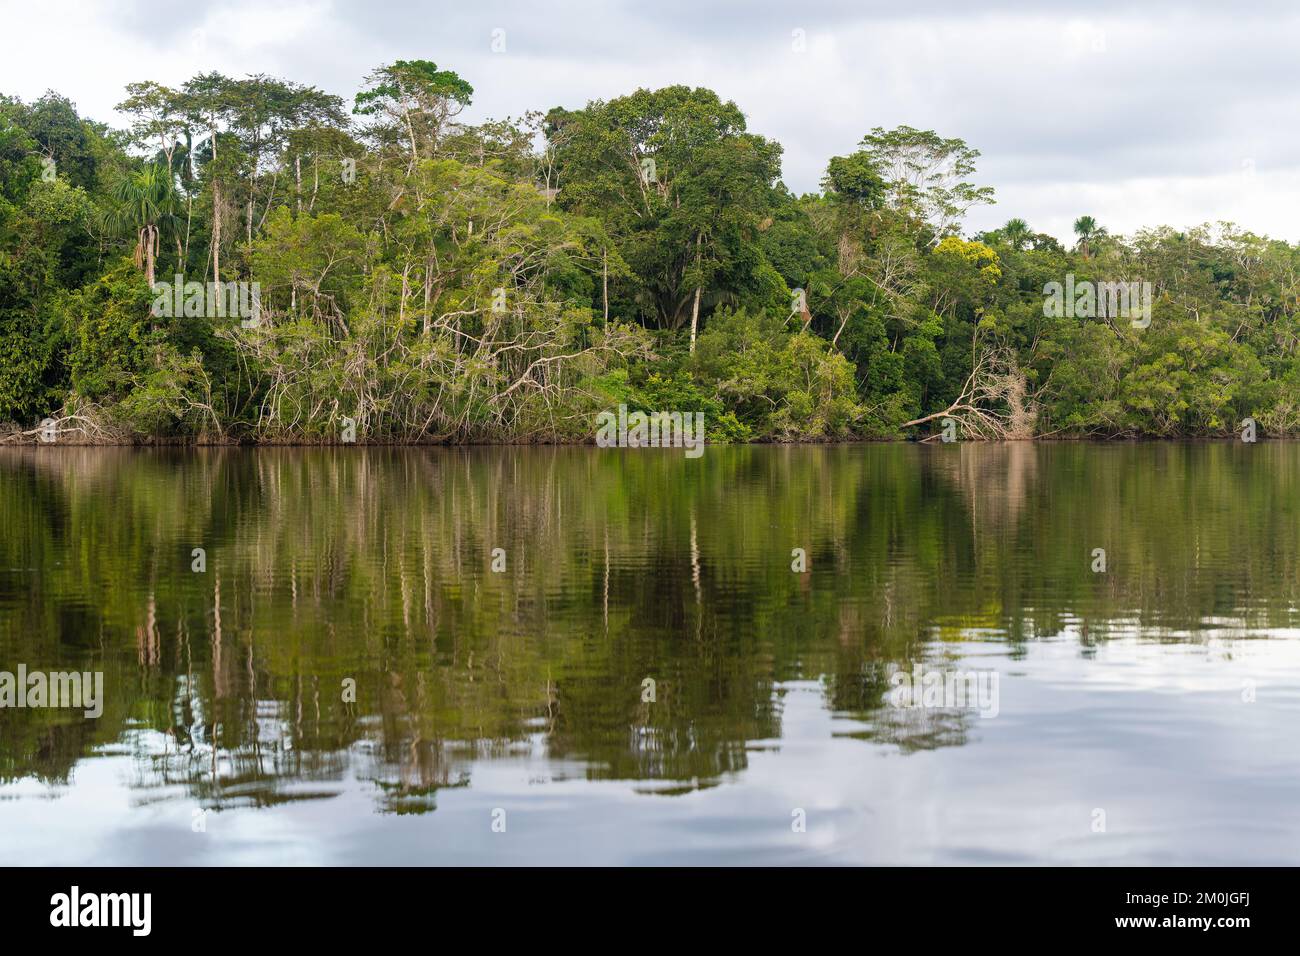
[431, 280]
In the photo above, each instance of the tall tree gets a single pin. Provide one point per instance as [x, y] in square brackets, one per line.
[262, 111]
[1086, 228]
[208, 103]
[415, 100]
[926, 175]
[145, 201]
[682, 188]
[1017, 233]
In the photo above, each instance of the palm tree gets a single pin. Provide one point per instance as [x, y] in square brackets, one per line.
[1017, 233]
[1086, 228]
[146, 200]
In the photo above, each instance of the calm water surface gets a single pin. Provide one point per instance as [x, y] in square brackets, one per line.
[1164, 692]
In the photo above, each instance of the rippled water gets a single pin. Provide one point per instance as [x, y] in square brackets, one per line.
[1158, 699]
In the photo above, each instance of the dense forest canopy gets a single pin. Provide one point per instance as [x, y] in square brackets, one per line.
[416, 278]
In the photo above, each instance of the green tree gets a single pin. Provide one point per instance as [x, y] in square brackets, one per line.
[1086, 228]
[145, 202]
[926, 175]
[412, 99]
[682, 189]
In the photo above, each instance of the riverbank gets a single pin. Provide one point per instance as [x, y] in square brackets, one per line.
[32, 438]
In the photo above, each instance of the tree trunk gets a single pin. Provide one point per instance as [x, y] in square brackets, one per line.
[151, 234]
[410, 130]
[695, 309]
[695, 318]
[150, 252]
[216, 207]
[843, 322]
[216, 231]
[252, 185]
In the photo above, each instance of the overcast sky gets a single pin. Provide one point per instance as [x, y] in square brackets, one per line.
[1178, 114]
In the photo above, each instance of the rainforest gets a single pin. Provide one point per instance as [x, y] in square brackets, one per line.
[421, 279]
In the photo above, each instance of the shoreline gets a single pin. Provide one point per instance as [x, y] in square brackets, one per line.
[517, 443]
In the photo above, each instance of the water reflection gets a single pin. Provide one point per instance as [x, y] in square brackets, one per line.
[228, 689]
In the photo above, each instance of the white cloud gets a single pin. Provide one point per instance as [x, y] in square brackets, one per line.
[1136, 117]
